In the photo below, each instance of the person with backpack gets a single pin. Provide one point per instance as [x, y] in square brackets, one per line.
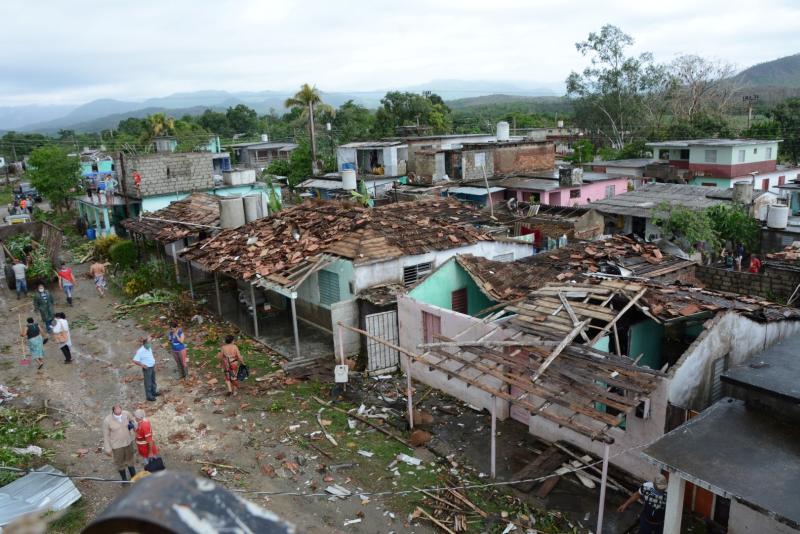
[177, 340]
[231, 359]
[33, 334]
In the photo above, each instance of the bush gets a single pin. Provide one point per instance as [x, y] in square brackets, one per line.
[102, 246]
[124, 254]
[154, 274]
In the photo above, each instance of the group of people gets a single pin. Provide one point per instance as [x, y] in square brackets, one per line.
[120, 431]
[55, 324]
[230, 357]
[104, 185]
[21, 206]
[733, 259]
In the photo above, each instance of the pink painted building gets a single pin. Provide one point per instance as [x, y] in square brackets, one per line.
[547, 188]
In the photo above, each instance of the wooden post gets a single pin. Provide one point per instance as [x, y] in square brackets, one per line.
[216, 288]
[294, 327]
[255, 309]
[410, 407]
[175, 261]
[493, 447]
[603, 481]
[339, 332]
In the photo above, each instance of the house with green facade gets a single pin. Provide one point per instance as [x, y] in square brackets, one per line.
[591, 361]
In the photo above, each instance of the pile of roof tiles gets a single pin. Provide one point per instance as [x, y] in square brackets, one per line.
[168, 224]
[791, 253]
[279, 243]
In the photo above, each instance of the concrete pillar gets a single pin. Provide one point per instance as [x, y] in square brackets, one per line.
[674, 512]
[107, 223]
[98, 225]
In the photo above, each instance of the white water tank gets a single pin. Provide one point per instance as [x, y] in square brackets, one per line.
[239, 177]
[349, 180]
[778, 216]
[264, 138]
[253, 207]
[503, 131]
[231, 212]
[743, 193]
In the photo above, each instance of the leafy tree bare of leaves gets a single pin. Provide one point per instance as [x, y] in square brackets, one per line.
[701, 86]
[610, 91]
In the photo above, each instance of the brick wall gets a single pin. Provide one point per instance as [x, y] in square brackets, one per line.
[776, 285]
[472, 172]
[168, 173]
[524, 157]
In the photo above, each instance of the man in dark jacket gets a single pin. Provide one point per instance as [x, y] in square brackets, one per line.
[43, 303]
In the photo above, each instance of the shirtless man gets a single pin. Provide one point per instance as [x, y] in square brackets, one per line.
[98, 271]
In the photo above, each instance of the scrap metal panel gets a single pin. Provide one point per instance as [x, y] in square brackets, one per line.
[380, 357]
[36, 491]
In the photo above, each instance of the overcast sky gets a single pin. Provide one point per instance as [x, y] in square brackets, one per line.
[58, 51]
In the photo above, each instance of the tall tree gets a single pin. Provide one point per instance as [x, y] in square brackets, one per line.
[54, 173]
[610, 91]
[701, 86]
[242, 119]
[410, 109]
[308, 99]
[787, 116]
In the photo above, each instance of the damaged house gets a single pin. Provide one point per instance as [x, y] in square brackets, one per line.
[314, 263]
[592, 359]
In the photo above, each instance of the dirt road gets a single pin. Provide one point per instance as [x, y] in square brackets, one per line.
[193, 423]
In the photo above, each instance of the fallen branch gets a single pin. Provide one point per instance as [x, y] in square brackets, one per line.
[365, 421]
[47, 407]
[325, 430]
[435, 521]
[223, 466]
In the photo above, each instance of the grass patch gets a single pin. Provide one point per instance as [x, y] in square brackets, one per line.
[72, 521]
[6, 194]
[18, 429]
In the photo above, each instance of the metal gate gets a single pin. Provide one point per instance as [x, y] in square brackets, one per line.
[381, 358]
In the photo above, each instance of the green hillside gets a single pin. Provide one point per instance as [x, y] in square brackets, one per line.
[781, 72]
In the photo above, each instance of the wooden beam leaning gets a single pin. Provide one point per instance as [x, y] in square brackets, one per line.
[622, 312]
[561, 346]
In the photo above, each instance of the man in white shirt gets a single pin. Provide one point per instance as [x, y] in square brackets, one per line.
[144, 358]
[20, 271]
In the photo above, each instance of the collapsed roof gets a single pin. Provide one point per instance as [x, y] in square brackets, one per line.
[284, 247]
[182, 218]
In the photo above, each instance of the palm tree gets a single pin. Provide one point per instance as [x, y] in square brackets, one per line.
[308, 98]
[160, 124]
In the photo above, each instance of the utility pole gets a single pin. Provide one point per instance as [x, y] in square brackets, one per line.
[750, 100]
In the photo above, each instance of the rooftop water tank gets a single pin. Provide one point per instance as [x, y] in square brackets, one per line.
[253, 207]
[264, 138]
[778, 216]
[503, 131]
[743, 192]
[231, 212]
[349, 180]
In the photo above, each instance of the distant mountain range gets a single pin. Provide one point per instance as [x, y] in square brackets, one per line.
[106, 113]
[781, 72]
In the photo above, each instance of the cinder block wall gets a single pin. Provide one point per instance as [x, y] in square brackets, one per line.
[470, 171]
[774, 284]
[168, 173]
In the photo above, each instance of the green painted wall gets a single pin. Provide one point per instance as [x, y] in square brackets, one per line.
[437, 289]
[724, 183]
[646, 337]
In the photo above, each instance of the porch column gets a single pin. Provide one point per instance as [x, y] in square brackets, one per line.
[97, 224]
[107, 222]
[493, 447]
[175, 262]
[216, 288]
[673, 515]
[294, 327]
[255, 310]
[603, 480]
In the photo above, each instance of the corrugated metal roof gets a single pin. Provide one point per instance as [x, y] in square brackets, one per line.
[475, 191]
[372, 144]
[642, 201]
[683, 143]
[35, 492]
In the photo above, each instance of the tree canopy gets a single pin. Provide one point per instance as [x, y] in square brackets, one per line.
[55, 173]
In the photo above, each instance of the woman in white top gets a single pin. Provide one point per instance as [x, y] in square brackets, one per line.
[62, 335]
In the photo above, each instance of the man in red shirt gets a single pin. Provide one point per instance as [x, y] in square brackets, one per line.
[67, 281]
[755, 264]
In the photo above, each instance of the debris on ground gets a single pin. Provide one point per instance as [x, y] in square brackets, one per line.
[6, 394]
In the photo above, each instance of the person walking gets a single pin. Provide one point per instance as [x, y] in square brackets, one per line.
[118, 429]
[144, 358]
[20, 277]
[144, 436]
[230, 359]
[33, 334]
[738, 255]
[98, 272]
[66, 279]
[43, 303]
[177, 340]
[62, 336]
[654, 496]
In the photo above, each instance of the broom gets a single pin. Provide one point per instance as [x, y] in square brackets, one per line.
[25, 360]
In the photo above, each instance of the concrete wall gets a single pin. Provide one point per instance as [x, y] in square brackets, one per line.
[745, 520]
[409, 318]
[155, 203]
[473, 163]
[346, 312]
[726, 334]
[391, 271]
[773, 284]
[525, 157]
[168, 173]
[437, 289]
